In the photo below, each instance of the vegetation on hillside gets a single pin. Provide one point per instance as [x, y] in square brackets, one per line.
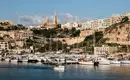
[121, 24]
[6, 27]
[56, 32]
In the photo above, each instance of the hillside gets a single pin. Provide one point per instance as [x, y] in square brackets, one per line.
[119, 32]
[8, 25]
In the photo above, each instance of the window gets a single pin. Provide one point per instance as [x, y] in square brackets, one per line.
[6, 45]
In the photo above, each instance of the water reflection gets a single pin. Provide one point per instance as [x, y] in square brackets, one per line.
[72, 72]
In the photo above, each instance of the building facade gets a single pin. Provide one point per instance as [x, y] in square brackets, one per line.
[4, 45]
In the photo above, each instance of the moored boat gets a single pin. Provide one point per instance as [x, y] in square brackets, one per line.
[14, 61]
[115, 62]
[59, 68]
[85, 62]
[103, 61]
[125, 62]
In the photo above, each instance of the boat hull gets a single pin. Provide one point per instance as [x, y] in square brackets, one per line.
[125, 62]
[104, 62]
[59, 68]
[86, 63]
[115, 62]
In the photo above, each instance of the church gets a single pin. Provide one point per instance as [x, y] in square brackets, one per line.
[48, 24]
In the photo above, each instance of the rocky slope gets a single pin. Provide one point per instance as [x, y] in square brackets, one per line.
[119, 32]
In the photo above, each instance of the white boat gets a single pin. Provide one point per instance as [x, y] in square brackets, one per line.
[115, 62]
[59, 68]
[7, 60]
[24, 60]
[103, 61]
[85, 62]
[125, 62]
[14, 61]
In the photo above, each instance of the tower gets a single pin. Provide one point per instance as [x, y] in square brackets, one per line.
[55, 19]
[46, 20]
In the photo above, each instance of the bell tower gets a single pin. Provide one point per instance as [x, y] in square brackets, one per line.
[55, 19]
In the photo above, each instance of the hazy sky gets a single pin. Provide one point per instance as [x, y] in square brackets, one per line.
[24, 10]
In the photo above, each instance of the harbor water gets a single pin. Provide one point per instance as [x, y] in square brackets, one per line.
[72, 72]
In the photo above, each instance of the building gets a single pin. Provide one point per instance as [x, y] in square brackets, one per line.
[17, 34]
[104, 50]
[70, 25]
[77, 50]
[47, 24]
[23, 34]
[103, 23]
[4, 45]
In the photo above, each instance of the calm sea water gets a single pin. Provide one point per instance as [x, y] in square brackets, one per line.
[72, 72]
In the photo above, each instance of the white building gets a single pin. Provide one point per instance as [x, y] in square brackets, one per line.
[104, 50]
[69, 25]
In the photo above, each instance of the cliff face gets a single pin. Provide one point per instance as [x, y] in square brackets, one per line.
[118, 33]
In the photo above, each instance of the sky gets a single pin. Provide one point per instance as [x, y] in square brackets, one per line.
[32, 12]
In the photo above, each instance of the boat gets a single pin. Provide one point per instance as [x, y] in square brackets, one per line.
[14, 61]
[71, 61]
[59, 68]
[85, 62]
[7, 60]
[125, 62]
[115, 62]
[24, 60]
[103, 61]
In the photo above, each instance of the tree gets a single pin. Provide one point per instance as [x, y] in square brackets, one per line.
[59, 26]
[125, 19]
[1, 28]
[76, 33]
[73, 29]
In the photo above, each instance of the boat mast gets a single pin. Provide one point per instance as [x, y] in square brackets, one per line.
[50, 44]
[57, 44]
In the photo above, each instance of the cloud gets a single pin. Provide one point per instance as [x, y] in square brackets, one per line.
[68, 17]
[31, 20]
[36, 20]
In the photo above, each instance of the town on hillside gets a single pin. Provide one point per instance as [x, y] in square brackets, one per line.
[104, 37]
